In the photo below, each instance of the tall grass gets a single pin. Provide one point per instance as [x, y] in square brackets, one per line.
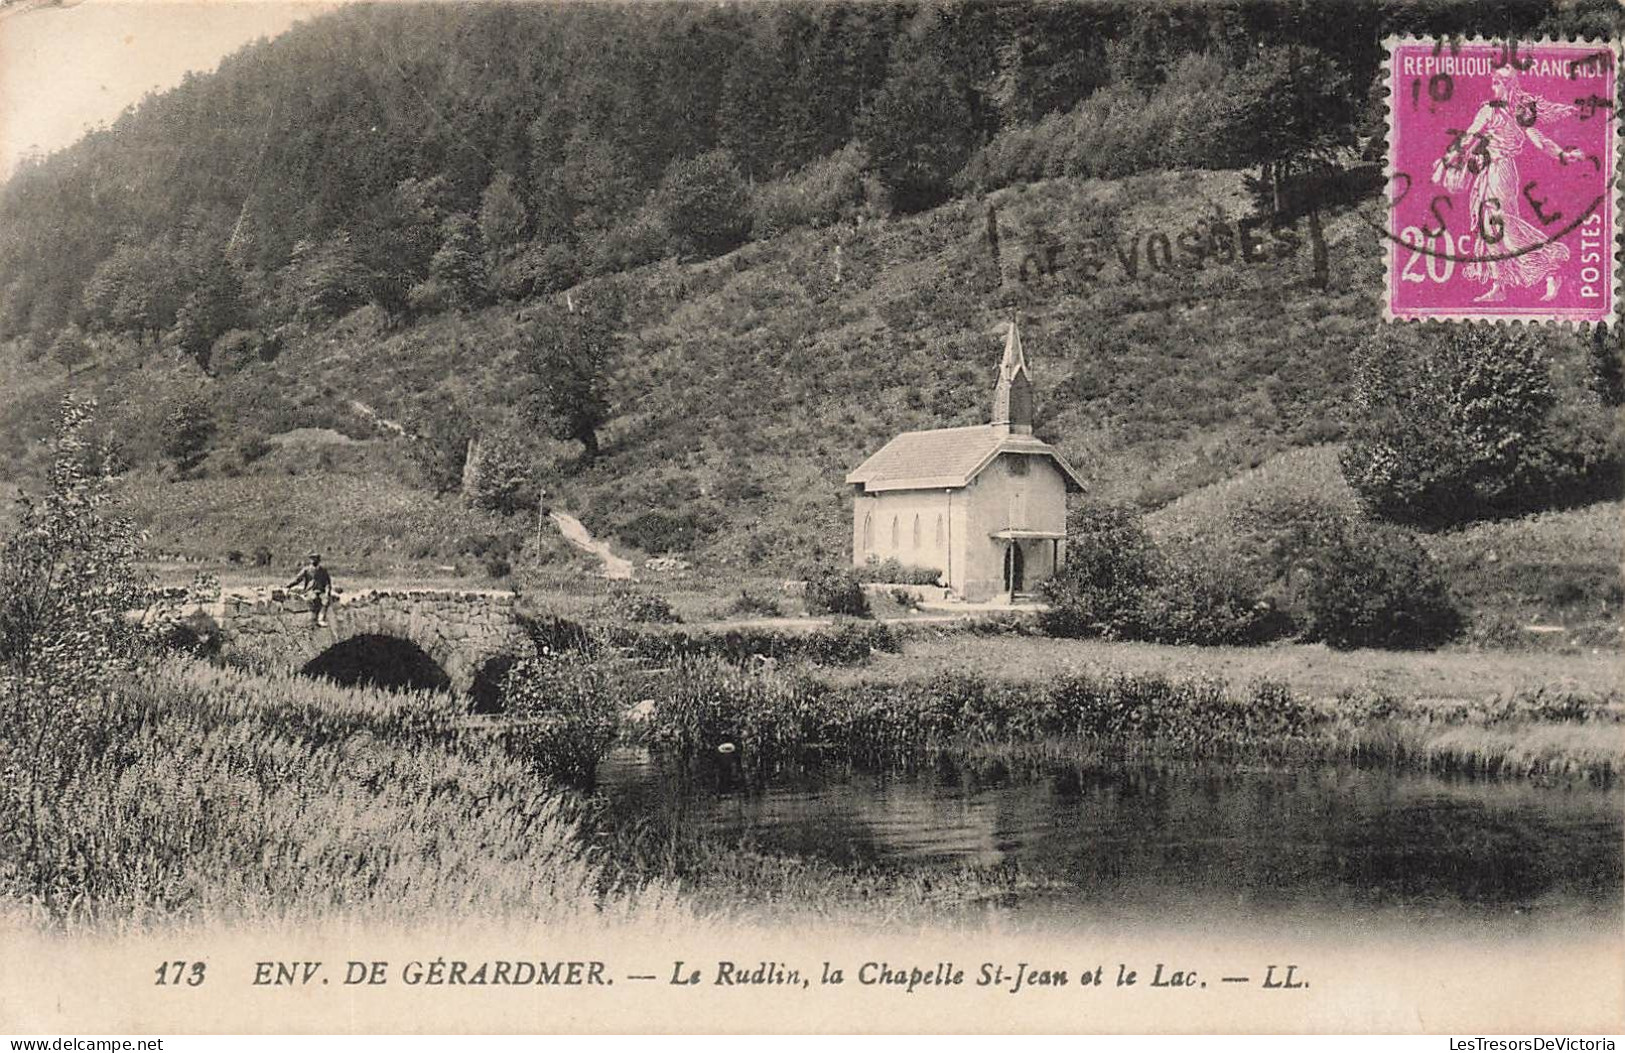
[1538, 734]
[769, 718]
[213, 795]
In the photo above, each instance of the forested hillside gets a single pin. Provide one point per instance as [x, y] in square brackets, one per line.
[680, 267]
[425, 157]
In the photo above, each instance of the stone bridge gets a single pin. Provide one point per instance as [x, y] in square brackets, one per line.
[398, 637]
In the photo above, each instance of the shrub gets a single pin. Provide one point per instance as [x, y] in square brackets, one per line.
[904, 598]
[429, 296]
[702, 202]
[70, 349]
[491, 545]
[826, 191]
[540, 269]
[1372, 585]
[749, 605]
[1274, 535]
[1110, 562]
[845, 643]
[629, 604]
[197, 635]
[836, 590]
[1464, 429]
[892, 571]
[1202, 597]
[253, 446]
[552, 635]
[1117, 583]
[773, 719]
[497, 476]
[657, 531]
[438, 446]
[565, 713]
[66, 580]
[234, 351]
[640, 238]
[457, 271]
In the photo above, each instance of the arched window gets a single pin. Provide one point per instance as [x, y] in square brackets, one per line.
[916, 530]
[868, 532]
[894, 542]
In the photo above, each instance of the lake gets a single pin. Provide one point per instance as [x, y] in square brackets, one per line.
[1206, 840]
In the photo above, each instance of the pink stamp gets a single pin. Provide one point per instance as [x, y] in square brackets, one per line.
[1501, 160]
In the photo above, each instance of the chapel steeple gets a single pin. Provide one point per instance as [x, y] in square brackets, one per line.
[1013, 398]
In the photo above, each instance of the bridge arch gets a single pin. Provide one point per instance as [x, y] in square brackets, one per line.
[485, 690]
[454, 634]
[384, 634]
[379, 661]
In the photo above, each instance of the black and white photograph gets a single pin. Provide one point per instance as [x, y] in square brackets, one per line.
[811, 516]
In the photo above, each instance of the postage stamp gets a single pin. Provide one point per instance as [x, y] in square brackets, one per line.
[1501, 165]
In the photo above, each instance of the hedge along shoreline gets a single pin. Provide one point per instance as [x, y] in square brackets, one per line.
[847, 642]
[684, 693]
[773, 719]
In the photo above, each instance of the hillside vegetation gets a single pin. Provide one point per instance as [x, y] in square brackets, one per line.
[749, 384]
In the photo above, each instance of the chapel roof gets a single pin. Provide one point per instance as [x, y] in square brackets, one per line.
[948, 457]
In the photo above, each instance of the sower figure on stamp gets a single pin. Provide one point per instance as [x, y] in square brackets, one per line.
[1522, 256]
[315, 579]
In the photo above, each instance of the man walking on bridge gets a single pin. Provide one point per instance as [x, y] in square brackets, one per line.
[319, 582]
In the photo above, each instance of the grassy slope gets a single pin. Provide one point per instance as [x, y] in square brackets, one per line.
[1310, 471]
[1312, 671]
[1552, 570]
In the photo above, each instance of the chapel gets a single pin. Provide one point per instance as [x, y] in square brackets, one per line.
[983, 505]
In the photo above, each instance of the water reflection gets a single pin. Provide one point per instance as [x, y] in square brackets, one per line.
[1197, 838]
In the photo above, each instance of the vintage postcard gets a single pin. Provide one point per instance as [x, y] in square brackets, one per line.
[835, 517]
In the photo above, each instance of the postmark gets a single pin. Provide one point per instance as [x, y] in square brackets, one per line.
[1502, 203]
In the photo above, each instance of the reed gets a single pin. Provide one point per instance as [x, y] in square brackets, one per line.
[213, 795]
[770, 718]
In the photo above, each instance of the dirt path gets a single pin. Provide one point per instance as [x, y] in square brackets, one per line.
[616, 568]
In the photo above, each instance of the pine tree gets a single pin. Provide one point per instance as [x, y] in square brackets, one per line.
[212, 307]
[188, 427]
[918, 131]
[323, 280]
[503, 220]
[567, 358]
[458, 268]
[703, 202]
[70, 349]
